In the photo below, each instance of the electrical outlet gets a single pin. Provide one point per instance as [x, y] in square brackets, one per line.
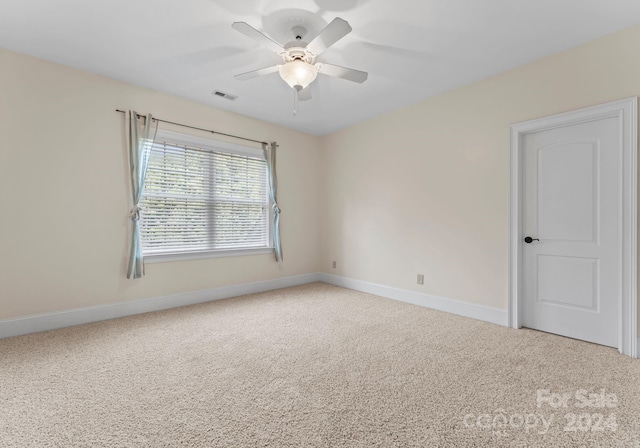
[333, 264]
[420, 279]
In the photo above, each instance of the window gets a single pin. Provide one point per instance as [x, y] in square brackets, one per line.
[204, 198]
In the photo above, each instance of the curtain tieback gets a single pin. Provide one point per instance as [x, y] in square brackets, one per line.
[135, 213]
[276, 209]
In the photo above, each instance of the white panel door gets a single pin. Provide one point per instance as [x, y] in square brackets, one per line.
[572, 213]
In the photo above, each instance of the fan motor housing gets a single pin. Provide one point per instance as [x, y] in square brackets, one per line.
[297, 53]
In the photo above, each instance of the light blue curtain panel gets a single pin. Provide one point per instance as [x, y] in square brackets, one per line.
[139, 142]
[270, 157]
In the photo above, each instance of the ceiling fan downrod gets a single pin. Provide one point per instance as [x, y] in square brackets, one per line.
[299, 32]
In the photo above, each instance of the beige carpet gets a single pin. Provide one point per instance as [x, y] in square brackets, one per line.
[312, 366]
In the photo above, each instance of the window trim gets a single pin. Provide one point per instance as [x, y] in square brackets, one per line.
[215, 146]
[201, 255]
[208, 143]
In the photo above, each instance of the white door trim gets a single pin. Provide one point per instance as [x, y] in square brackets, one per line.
[626, 110]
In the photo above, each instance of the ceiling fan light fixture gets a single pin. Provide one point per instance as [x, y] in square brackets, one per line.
[298, 74]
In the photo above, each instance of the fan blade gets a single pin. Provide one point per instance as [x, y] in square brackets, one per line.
[255, 73]
[256, 35]
[343, 72]
[305, 94]
[331, 34]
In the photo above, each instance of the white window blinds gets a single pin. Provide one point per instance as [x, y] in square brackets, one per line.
[203, 198]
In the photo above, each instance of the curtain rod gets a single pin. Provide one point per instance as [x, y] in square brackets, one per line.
[199, 129]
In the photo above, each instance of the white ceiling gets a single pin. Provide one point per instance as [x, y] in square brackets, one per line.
[412, 49]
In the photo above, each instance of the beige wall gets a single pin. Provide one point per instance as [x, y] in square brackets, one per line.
[64, 194]
[425, 189]
[419, 190]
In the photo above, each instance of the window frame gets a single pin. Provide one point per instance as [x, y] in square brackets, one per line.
[209, 144]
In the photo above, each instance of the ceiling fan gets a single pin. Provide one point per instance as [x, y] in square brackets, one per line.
[298, 68]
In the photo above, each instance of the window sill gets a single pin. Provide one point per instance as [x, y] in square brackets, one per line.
[161, 258]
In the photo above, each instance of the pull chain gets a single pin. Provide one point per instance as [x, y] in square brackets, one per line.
[295, 102]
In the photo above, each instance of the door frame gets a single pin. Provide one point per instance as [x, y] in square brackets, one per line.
[626, 110]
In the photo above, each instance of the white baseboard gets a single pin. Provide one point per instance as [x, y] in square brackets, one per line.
[479, 312]
[50, 321]
[77, 316]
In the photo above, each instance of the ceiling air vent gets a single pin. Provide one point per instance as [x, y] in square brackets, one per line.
[227, 96]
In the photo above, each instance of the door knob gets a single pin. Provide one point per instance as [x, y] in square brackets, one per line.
[530, 240]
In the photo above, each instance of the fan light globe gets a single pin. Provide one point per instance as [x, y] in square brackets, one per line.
[298, 74]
